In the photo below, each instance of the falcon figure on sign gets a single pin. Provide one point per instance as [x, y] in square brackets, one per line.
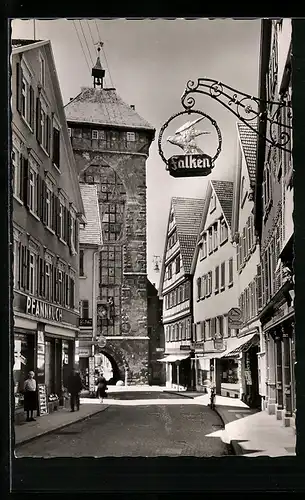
[185, 137]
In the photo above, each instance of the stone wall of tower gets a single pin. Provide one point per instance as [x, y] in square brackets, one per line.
[132, 345]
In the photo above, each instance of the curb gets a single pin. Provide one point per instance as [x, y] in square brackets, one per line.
[179, 394]
[49, 431]
[236, 448]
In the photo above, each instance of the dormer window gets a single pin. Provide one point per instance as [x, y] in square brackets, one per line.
[131, 136]
[94, 134]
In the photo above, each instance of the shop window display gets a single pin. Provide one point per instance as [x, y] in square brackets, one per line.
[23, 363]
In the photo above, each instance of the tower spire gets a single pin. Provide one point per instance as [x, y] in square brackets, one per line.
[98, 72]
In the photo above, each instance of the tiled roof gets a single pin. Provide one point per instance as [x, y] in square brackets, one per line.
[224, 193]
[92, 233]
[248, 140]
[188, 214]
[104, 107]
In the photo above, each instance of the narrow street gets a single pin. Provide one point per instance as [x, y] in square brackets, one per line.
[161, 425]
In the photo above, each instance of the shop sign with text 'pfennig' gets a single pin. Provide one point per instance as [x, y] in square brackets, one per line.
[43, 310]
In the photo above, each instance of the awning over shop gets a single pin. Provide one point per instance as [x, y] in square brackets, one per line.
[171, 358]
[244, 344]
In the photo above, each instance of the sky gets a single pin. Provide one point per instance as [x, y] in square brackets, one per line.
[149, 63]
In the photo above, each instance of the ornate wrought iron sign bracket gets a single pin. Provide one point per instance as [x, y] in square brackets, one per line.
[246, 108]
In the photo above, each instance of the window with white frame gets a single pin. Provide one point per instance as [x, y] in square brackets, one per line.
[220, 326]
[210, 233]
[60, 287]
[45, 126]
[209, 283]
[223, 231]
[42, 68]
[94, 134]
[216, 279]
[208, 333]
[32, 273]
[16, 171]
[169, 271]
[223, 275]
[215, 236]
[131, 136]
[203, 248]
[32, 190]
[48, 207]
[230, 271]
[199, 293]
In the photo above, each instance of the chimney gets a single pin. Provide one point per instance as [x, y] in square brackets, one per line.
[132, 106]
[71, 99]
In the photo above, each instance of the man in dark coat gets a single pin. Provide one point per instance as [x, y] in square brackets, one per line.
[74, 387]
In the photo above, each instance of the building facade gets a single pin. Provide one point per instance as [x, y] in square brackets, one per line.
[90, 243]
[47, 209]
[252, 356]
[274, 223]
[215, 293]
[156, 370]
[176, 291]
[111, 145]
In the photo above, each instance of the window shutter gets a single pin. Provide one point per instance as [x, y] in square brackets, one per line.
[259, 288]
[32, 106]
[54, 284]
[27, 272]
[44, 201]
[20, 265]
[25, 181]
[38, 120]
[19, 78]
[48, 133]
[38, 194]
[56, 147]
[238, 256]
[75, 233]
[264, 190]
[54, 217]
[244, 244]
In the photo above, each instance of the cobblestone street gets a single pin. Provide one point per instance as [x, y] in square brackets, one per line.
[164, 427]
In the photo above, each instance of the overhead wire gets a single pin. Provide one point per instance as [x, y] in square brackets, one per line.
[84, 53]
[86, 42]
[111, 82]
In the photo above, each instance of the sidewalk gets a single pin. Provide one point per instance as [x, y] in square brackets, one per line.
[251, 433]
[27, 431]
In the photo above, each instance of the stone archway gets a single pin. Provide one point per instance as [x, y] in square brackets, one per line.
[117, 360]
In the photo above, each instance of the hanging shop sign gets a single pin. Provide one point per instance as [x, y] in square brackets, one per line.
[235, 318]
[43, 310]
[185, 348]
[42, 400]
[91, 374]
[85, 322]
[194, 162]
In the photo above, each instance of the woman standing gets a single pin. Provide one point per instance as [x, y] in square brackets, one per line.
[30, 396]
[101, 387]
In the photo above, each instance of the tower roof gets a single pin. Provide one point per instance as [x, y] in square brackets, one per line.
[99, 106]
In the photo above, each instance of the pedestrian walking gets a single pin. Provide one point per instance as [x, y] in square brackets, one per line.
[101, 387]
[74, 387]
[30, 397]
